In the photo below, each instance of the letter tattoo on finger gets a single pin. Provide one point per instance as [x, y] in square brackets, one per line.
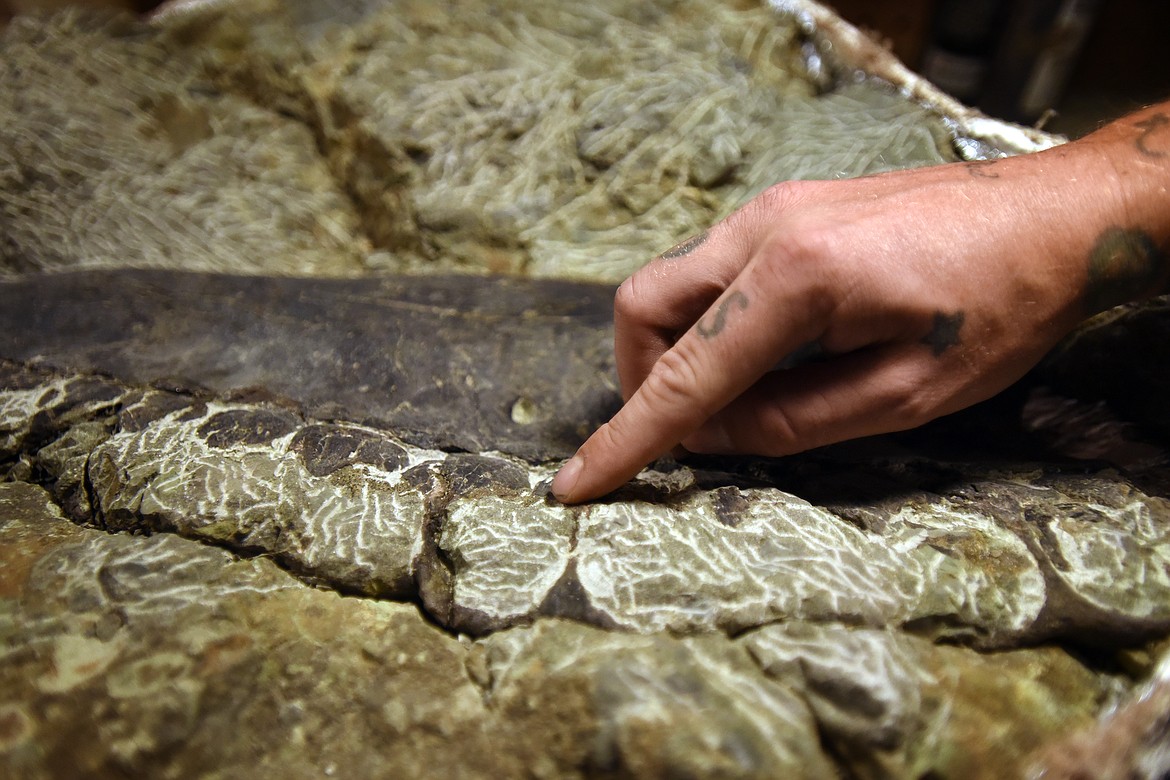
[719, 319]
[685, 247]
[1150, 127]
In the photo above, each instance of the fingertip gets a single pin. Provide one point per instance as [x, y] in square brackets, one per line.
[564, 484]
[602, 464]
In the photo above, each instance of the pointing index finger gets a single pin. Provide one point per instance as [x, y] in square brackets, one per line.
[715, 361]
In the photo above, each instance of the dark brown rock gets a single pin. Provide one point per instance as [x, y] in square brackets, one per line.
[327, 448]
[246, 426]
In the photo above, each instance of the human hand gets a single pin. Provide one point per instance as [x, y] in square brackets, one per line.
[922, 291]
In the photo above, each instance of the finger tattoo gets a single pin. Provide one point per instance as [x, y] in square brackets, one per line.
[1150, 127]
[719, 319]
[685, 247]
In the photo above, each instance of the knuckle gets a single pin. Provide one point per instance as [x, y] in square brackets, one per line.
[804, 262]
[673, 382]
[912, 401]
[626, 299]
[611, 438]
[637, 299]
[781, 196]
[764, 210]
[783, 434]
[808, 249]
[814, 246]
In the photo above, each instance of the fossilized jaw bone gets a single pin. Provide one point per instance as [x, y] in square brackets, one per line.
[476, 540]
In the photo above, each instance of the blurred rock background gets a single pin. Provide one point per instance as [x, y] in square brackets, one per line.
[10, 8]
[1069, 65]
[1088, 61]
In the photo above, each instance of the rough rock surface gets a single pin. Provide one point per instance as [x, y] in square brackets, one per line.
[129, 656]
[254, 526]
[125, 655]
[105, 127]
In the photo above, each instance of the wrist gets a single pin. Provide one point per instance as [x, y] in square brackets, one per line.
[1131, 256]
[1103, 204]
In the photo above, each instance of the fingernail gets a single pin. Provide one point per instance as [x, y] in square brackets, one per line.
[566, 479]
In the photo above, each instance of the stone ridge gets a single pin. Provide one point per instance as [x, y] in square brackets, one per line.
[477, 541]
[160, 656]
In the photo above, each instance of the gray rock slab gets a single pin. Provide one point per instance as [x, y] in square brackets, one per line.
[516, 365]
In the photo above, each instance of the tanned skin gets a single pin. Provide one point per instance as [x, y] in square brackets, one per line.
[919, 292]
